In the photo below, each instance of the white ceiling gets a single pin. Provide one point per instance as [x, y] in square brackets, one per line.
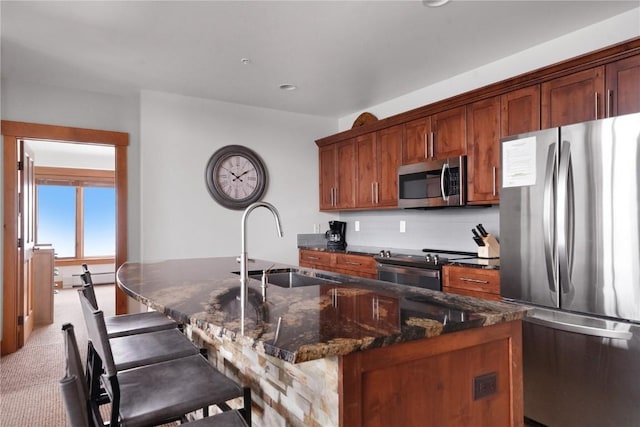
[344, 56]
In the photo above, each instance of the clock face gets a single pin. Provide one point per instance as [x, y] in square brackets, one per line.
[235, 177]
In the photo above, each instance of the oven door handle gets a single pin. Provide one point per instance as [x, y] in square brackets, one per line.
[425, 272]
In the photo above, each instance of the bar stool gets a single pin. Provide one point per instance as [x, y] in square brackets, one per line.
[80, 410]
[162, 391]
[127, 324]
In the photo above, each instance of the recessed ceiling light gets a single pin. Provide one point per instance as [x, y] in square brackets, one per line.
[245, 60]
[435, 3]
[288, 87]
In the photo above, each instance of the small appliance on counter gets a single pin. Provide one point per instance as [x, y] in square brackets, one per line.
[336, 235]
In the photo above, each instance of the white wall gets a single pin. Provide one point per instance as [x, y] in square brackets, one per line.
[451, 229]
[178, 216]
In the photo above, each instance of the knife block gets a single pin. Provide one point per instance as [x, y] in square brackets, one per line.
[491, 248]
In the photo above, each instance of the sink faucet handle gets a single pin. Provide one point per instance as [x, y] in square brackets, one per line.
[248, 259]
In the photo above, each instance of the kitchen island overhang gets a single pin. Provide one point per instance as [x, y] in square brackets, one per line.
[339, 329]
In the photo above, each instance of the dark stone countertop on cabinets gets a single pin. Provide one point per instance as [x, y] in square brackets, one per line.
[315, 321]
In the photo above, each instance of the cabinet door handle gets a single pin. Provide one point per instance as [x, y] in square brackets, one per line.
[494, 180]
[432, 137]
[466, 279]
[373, 193]
[609, 100]
[377, 193]
[426, 146]
[336, 193]
[375, 308]
[596, 99]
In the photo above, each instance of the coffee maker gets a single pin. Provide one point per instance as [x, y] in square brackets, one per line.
[336, 235]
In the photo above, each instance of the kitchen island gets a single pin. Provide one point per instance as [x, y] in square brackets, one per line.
[345, 351]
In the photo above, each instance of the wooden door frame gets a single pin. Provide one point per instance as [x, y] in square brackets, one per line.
[11, 132]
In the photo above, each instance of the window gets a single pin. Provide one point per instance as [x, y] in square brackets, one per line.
[76, 212]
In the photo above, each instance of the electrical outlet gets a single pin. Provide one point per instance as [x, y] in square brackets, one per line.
[316, 228]
[485, 385]
[357, 225]
[403, 226]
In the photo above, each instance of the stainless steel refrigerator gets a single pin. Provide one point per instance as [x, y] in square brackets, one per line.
[570, 248]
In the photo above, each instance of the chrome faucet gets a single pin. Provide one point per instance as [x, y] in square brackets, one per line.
[243, 255]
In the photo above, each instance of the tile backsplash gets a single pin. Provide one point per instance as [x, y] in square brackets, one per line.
[435, 229]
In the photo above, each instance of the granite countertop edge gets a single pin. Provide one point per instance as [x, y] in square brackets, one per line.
[193, 298]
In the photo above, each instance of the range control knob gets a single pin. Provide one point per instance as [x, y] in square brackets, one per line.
[428, 258]
[387, 254]
[436, 259]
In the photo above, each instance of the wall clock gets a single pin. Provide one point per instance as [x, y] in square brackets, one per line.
[235, 177]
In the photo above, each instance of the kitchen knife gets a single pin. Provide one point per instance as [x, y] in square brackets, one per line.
[477, 238]
[482, 230]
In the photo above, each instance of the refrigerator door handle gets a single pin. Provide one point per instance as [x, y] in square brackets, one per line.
[565, 216]
[579, 329]
[547, 217]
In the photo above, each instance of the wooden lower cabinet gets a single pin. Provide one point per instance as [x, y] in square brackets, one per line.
[466, 378]
[350, 264]
[43, 284]
[470, 281]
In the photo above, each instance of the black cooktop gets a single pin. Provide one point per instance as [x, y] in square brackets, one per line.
[432, 259]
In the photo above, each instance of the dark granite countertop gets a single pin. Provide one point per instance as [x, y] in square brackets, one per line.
[343, 315]
[492, 263]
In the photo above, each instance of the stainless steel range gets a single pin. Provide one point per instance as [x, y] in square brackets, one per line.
[423, 271]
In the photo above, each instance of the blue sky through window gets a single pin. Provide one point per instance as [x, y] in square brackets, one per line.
[56, 220]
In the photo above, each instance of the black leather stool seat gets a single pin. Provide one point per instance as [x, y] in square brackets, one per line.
[137, 323]
[154, 347]
[168, 389]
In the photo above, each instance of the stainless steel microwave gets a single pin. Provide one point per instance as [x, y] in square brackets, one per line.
[433, 184]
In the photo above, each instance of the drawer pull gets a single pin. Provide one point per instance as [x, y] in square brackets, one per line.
[313, 257]
[352, 263]
[465, 279]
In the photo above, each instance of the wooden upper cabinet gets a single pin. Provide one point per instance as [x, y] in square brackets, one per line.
[575, 98]
[366, 149]
[378, 160]
[520, 111]
[415, 140]
[483, 162]
[337, 175]
[449, 134]
[389, 152]
[623, 87]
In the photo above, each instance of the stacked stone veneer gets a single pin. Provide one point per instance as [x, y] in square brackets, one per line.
[283, 394]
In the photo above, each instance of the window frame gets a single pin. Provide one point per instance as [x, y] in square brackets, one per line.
[78, 178]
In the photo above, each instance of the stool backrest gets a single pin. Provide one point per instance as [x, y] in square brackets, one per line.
[73, 386]
[97, 331]
[88, 286]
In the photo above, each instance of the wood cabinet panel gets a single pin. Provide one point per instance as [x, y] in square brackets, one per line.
[350, 264]
[574, 98]
[477, 282]
[367, 177]
[389, 156]
[43, 284]
[483, 162]
[449, 133]
[520, 111]
[430, 382]
[623, 86]
[415, 140]
[337, 175]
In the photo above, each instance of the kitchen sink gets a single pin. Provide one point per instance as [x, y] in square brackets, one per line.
[290, 277]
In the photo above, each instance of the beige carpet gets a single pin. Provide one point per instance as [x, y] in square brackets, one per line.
[29, 394]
